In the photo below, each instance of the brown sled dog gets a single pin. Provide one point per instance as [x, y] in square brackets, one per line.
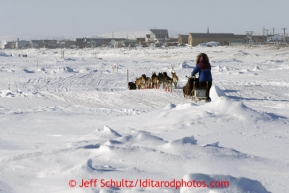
[187, 90]
[175, 79]
[155, 80]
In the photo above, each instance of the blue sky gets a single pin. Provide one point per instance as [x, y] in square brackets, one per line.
[79, 18]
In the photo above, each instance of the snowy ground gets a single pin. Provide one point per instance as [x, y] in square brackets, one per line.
[74, 119]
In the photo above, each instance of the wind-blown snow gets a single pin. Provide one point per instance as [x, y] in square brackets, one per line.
[75, 119]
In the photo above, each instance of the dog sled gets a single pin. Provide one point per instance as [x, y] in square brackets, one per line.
[196, 90]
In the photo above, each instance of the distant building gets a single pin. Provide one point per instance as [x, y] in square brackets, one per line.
[112, 42]
[148, 37]
[94, 42]
[275, 38]
[158, 35]
[240, 37]
[35, 43]
[238, 42]
[70, 44]
[127, 43]
[10, 45]
[195, 39]
[244, 38]
[88, 42]
[66, 44]
[172, 42]
[22, 44]
[257, 38]
[183, 39]
[51, 44]
[141, 41]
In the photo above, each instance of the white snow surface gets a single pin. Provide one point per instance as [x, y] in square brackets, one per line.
[74, 119]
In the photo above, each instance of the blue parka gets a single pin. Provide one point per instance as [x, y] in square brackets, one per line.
[204, 70]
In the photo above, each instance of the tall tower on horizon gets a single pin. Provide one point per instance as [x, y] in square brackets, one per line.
[208, 31]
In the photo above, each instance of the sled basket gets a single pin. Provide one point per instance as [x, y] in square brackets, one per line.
[200, 89]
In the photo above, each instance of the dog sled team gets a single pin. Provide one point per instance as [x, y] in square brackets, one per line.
[195, 88]
[155, 81]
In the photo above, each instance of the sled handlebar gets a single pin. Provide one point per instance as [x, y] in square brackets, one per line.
[190, 76]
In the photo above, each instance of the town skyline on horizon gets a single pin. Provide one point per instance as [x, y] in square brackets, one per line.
[121, 34]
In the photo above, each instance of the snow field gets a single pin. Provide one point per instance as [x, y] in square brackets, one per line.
[74, 118]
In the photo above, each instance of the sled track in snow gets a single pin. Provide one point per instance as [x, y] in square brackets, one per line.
[98, 90]
[76, 83]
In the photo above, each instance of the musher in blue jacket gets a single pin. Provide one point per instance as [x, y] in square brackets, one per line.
[203, 67]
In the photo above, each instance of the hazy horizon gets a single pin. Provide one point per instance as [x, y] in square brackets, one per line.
[86, 18]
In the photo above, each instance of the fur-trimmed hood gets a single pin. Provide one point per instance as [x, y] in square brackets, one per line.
[204, 66]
